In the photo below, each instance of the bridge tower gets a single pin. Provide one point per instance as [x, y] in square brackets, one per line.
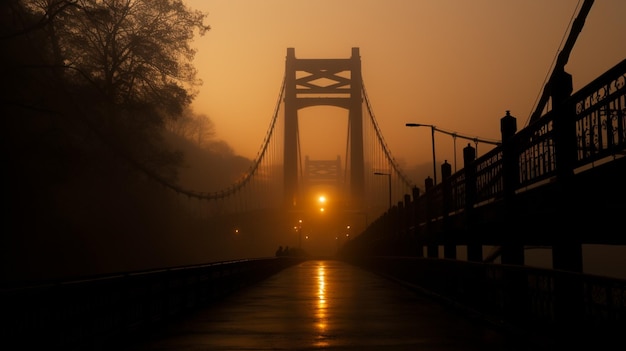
[306, 85]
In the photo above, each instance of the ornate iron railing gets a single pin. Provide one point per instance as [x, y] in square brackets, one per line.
[533, 300]
[598, 112]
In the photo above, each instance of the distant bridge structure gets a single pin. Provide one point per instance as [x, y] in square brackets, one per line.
[333, 82]
[282, 179]
[581, 131]
[557, 183]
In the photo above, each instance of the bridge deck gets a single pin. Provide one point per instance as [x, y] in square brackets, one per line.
[327, 304]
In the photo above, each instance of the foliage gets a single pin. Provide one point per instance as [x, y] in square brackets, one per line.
[86, 87]
[103, 75]
[192, 126]
[89, 88]
[136, 52]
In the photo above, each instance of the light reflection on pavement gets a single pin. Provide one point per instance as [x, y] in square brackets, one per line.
[328, 305]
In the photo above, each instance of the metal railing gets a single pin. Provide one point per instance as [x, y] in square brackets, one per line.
[550, 303]
[88, 313]
[597, 115]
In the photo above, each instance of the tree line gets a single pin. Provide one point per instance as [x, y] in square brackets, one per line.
[88, 81]
[92, 91]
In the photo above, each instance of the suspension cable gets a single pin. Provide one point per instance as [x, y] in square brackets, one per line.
[247, 176]
[381, 140]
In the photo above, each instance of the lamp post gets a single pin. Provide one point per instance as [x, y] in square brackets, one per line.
[299, 233]
[389, 181]
[454, 135]
[432, 135]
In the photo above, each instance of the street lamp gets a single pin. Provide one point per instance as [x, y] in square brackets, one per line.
[322, 202]
[454, 135]
[432, 133]
[299, 233]
[389, 181]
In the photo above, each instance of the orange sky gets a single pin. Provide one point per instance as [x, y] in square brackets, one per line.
[456, 64]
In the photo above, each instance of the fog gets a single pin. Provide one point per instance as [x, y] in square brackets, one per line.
[93, 167]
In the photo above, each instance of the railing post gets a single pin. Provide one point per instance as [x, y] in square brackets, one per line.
[415, 193]
[415, 219]
[406, 217]
[398, 228]
[564, 128]
[567, 249]
[432, 248]
[512, 243]
[449, 246]
[428, 183]
[567, 245]
[474, 246]
[514, 281]
[508, 128]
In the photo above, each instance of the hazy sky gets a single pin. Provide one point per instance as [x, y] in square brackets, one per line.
[456, 64]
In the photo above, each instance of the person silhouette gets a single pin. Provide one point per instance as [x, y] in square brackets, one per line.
[280, 251]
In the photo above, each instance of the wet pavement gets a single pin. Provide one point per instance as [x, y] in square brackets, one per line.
[329, 305]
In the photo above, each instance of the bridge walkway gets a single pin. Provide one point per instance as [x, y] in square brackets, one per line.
[330, 305]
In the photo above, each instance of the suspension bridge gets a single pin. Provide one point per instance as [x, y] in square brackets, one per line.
[326, 199]
[362, 209]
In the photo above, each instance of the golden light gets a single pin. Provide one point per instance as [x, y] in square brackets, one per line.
[321, 287]
[321, 313]
[322, 199]
[322, 209]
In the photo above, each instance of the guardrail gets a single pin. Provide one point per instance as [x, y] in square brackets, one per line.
[588, 130]
[593, 121]
[553, 305]
[87, 313]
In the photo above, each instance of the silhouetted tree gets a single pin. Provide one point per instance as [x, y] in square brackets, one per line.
[194, 127]
[88, 83]
[89, 88]
[133, 51]
[117, 69]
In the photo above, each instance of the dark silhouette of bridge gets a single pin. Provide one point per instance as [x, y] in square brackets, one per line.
[557, 183]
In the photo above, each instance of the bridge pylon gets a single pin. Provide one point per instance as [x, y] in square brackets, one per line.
[306, 85]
